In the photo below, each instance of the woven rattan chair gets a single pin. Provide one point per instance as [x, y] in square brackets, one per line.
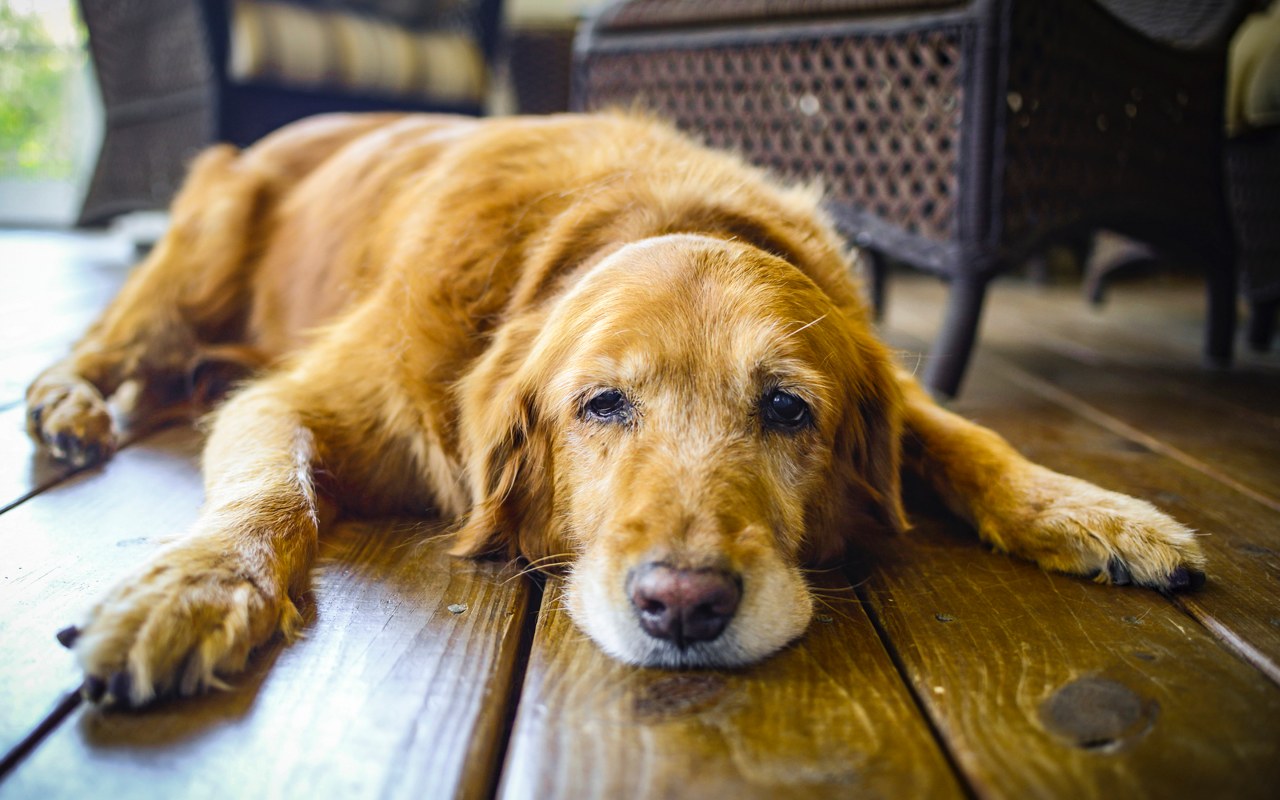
[167, 91]
[958, 137]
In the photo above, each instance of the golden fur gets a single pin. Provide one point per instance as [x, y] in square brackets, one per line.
[436, 306]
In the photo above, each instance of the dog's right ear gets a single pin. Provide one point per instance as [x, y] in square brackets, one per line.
[506, 452]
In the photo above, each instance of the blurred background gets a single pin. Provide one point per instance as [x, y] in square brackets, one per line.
[965, 139]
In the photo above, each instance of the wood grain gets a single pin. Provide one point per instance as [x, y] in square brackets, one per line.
[1146, 340]
[1241, 536]
[390, 692]
[828, 717]
[65, 547]
[1234, 435]
[1050, 686]
[1050, 424]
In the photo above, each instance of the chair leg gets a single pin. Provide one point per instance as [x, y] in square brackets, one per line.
[877, 277]
[1220, 329]
[949, 356]
[1262, 324]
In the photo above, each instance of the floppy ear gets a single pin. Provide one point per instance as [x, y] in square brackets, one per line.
[877, 451]
[880, 457]
[507, 455]
[509, 492]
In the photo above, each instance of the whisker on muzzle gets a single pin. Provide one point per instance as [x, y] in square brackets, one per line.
[542, 564]
[824, 602]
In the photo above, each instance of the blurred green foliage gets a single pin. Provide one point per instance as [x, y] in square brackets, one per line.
[35, 137]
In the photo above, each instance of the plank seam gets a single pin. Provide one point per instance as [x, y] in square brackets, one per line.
[1121, 428]
[69, 702]
[138, 436]
[1229, 639]
[515, 692]
[962, 779]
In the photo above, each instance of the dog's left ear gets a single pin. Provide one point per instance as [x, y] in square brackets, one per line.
[509, 503]
[507, 458]
[877, 453]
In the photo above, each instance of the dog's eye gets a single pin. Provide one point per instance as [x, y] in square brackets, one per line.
[784, 410]
[609, 405]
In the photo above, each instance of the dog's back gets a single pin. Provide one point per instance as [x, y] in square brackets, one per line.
[496, 210]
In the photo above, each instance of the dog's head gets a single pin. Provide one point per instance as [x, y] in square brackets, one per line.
[689, 424]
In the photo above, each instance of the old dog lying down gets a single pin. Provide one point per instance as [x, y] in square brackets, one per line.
[578, 335]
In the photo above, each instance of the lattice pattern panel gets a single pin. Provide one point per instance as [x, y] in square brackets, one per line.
[146, 50]
[876, 117]
[1099, 122]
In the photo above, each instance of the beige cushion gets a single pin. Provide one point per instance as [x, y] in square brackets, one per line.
[294, 46]
[1253, 85]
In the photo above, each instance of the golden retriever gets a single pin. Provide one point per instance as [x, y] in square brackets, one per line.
[581, 335]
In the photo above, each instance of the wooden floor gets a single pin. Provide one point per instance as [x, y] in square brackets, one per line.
[945, 671]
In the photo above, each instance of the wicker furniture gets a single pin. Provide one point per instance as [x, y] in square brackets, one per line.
[1253, 166]
[167, 90]
[958, 137]
[1253, 181]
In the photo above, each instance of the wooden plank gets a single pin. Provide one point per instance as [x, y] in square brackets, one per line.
[1239, 449]
[827, 717]
[1233, 434]
[64, 548]
[1050, 686]
[1241, 530]
[1046, 685]
[389, 692]
[1241, 536]
[1152, 331]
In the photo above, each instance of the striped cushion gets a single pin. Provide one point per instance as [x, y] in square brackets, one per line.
[290, 45]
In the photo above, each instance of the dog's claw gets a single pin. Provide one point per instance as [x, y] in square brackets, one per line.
[1185, 579]
[119, 686]
[1119, 573]
[93, 688]
[67, 636]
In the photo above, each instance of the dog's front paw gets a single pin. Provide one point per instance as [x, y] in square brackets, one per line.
[1072, 526]
[72, 420]
[188, 620]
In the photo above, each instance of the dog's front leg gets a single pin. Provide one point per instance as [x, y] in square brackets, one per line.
[1062, 523]
[193, 613]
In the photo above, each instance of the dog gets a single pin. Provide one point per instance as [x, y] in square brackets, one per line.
[581, 337]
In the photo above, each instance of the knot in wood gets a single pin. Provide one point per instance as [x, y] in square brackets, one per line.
[1096, 713]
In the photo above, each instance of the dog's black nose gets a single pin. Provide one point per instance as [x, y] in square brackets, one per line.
[683, 606]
